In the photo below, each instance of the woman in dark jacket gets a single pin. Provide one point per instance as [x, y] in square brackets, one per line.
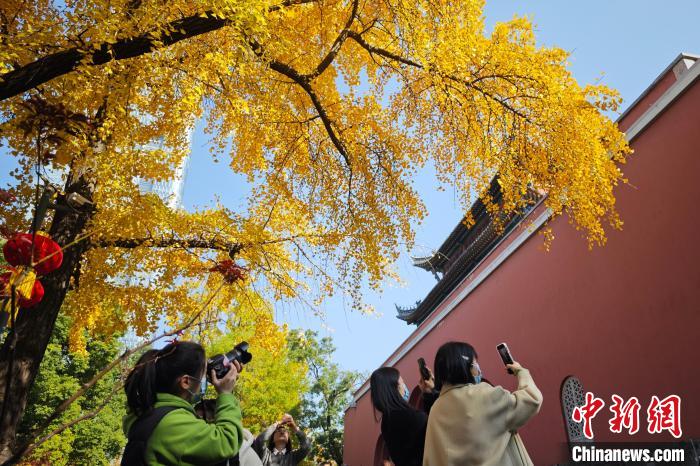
[403, 427]
[274, 446]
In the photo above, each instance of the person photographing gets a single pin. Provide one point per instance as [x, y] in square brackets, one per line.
[162, 427]
[473, 423]
[403, 426]
[274, 445]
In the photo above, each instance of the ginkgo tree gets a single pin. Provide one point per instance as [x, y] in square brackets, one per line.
[329, 108]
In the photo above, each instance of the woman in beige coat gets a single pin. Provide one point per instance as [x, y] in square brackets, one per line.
[473, 423]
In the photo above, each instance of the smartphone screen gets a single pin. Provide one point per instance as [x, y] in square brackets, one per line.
[506, 357]
[424, 373]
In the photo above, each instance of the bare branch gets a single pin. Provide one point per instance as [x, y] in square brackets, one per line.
[305, 83]
[357, 37]
[30, 448]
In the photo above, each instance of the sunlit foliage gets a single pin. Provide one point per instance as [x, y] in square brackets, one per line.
[329, 108]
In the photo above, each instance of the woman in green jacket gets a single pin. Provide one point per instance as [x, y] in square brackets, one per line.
[172, 377]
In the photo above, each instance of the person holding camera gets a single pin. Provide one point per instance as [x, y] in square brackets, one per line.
[474, 423]
[162, 427]
[274, 445]
[206, 409]
[403, 426]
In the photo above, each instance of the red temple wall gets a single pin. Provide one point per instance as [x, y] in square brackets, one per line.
[623, 318]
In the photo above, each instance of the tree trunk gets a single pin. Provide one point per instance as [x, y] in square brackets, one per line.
[34, 326]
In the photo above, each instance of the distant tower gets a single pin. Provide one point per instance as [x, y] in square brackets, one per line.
[170, 191]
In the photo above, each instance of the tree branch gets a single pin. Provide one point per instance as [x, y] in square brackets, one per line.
[30, 448]
[192, 243]
[51, 66]
[231, 247]
[337, 44]
[357, 37]
[304, 81]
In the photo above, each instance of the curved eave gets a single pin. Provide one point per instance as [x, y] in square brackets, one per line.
[457, 236]
[408, 316]
[482, 242]
[425, 263]
[405, 313]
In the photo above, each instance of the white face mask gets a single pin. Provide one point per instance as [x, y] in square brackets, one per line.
[197, 395]
[475, 365]
[477, 378]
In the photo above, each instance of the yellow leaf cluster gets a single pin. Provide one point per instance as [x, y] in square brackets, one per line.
[329, 108]
[272, 382]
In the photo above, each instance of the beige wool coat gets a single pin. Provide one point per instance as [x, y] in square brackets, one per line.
[475, 424]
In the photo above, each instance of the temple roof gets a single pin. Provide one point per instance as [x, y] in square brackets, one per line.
[460, 254]
[450, 247]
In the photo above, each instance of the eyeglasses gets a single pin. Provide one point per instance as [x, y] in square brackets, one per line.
[194, 378]
[201, 382]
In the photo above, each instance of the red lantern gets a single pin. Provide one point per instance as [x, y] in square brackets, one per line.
[48, 255]
[34, 299]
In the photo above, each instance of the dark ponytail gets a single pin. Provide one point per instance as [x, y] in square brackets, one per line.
[157, 371]
[139, 383]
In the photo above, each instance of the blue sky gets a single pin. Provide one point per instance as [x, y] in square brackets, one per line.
[623, 43]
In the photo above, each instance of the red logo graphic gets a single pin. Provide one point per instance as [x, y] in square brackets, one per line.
[587, 412]
[665, 415]
[624, 415]
[661, 415]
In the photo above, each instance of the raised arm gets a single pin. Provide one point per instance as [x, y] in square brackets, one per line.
[429, 394]
[304, 443]
[211, 442]
[261, 440]
[304, 446]
[429, 399]
[525, 401]
[222, 439]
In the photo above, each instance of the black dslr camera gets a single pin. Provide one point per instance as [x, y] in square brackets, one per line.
[221, 363]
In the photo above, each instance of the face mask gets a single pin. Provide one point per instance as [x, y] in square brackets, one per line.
[197, 396]
[477, 378]
[406, 394]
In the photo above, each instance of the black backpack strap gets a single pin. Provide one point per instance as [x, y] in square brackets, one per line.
[139, 433]
[144, 426]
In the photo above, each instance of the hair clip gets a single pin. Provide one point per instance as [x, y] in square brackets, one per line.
[175, 339]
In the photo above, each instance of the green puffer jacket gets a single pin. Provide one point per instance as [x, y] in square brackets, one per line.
[182, 439]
